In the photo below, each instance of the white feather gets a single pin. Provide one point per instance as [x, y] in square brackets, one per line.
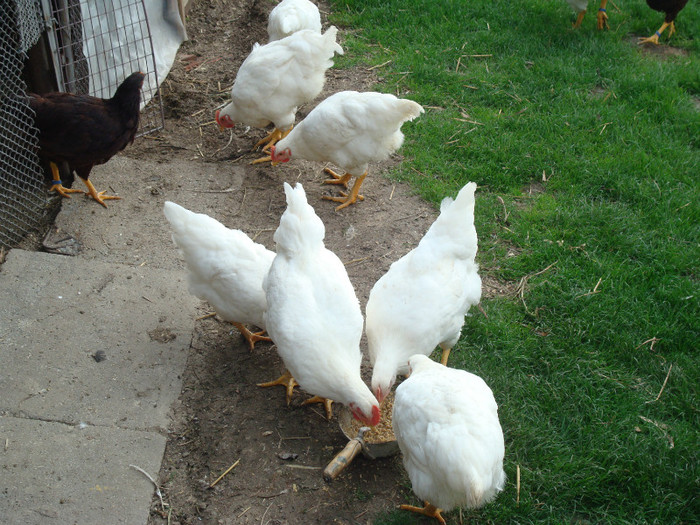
[351, 129]
[446, 424]
[275, 79]
[421, 301]
[290, 16]
[313, 314]
[225, 267]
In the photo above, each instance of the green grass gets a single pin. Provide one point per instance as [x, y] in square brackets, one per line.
[616, 133]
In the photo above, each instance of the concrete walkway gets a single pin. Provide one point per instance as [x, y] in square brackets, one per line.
[91, 356]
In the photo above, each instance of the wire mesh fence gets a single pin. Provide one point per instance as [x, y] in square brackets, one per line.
[22, 191]
[95, 45]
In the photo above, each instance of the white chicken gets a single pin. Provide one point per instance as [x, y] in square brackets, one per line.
[446, 424]
[421, 301]
[580, 7]
[290, 16]
[349, 129]
[275, 79]
[313, 314]
[225, 268]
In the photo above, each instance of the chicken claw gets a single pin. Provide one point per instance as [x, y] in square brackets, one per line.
[348, 199]
[654, 39]
[57, 185]
[337, 179]
[287, 381]
[99, 197]
[579, 19]
[602, 17]
[272, 138]
[251, 337]
[429, 510]
[327, 403]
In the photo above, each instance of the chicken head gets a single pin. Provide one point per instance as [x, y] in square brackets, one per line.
[224, 121]
[284, 155]
[369, 419]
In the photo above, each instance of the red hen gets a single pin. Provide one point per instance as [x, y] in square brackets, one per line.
[83, 130]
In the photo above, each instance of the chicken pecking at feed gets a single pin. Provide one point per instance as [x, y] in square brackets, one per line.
[349, 129]
[446, 424]
[275, 79]
[671, 8]
[421, 301]
[313, 314]
[290, 16]
[580, 6]
[83, 131]
[225, 267]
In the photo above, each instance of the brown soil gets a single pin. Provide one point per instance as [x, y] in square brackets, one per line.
[222, 417]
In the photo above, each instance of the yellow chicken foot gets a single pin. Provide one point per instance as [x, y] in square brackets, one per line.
[272, 138]
[57, 185]
[654, 39]
[327, 403]
[602, 16]
[429, 510]
[579, 19]
[99, 197]
[348, 199]
[337, 179]
[251, 337]
[286, 380]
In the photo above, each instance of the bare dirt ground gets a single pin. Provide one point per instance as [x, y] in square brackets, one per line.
[221, 416]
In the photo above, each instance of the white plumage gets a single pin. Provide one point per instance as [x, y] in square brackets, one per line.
[349, 129]
[277, 78]
[290, 16]
[313, 314]
[421, 301]
[225, 267]
[446, 424]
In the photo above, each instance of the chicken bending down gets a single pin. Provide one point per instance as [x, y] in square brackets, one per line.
[225, 267]
[349, 129]
[671, 8]
[83, 131]
[580, 7]
[275, 79]
[313, 314]
[421, 301]
[290, 16]
[446, 424]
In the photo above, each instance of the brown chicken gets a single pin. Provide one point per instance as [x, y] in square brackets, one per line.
[671, 8]
[83, 130]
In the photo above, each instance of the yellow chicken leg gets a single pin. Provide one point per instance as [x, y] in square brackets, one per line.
[579, 19]
[445, 355]
[99, 197]
[654, 39]
[352, 197]
[327, 403]
[602, 17]
[57, 185]
[429, 510]
[251, 337]
[286, 380]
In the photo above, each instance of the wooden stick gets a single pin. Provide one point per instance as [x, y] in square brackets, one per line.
[226, 472]
[664, 385]
[517, 485]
